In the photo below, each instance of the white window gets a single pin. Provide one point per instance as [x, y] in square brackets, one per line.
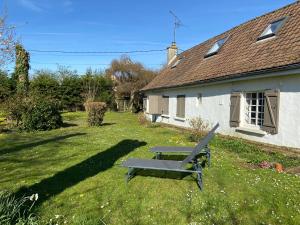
[272, 29]
[254, 108]
[199, 99]
[216, 47]
[176, 63]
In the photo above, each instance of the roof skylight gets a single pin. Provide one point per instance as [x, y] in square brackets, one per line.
[176, 63]
[216, 47]
[272, 29]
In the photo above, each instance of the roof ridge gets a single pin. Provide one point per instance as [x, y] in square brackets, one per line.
[242, 24]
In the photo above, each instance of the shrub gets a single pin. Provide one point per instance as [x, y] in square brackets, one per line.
[198, 128]
[31, 114]
[96, 111]
[142, 119]
[17, 210]
[14, 107]
[5, 86]
[41, 114]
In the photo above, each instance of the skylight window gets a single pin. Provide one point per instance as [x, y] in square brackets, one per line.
[272, 29]
[176, 63]
[216, 47]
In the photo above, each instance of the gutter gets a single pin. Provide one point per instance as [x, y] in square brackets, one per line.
[235, 77]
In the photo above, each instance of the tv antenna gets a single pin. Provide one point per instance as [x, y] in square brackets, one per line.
[177, 24]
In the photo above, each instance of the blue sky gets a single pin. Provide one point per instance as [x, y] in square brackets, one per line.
[95, 25]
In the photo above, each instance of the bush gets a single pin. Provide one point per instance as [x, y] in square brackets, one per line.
[31, 114]
[198, 128]
[5, 86]
[96, 111]
[142, 119]
[17, 210]
[41, 114]
[15, 107]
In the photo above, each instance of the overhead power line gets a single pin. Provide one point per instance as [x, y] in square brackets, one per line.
[82, 64]
[97, 52]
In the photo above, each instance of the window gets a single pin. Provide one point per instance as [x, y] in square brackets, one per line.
[165, 105]
[176, 63]
[254, 112]
[144, 104]
[199, 99]
[216, 47]
[180, 106]
[272, 29]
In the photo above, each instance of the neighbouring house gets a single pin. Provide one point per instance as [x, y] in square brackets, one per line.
[247, 79]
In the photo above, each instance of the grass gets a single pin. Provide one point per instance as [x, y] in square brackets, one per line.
[76, 171]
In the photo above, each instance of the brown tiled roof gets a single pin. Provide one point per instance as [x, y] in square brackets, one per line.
[240, 55]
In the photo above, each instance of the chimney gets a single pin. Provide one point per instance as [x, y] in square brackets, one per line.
[172, 52]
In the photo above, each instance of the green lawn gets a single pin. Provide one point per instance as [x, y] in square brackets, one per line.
[76, 171]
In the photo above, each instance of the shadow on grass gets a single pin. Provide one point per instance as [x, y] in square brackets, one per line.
[37, 143]
[162, 174]
[73, 175]
[67, 124]
[107, 124]
[175, 157]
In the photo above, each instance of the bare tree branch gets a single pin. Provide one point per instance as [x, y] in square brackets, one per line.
[7, 41]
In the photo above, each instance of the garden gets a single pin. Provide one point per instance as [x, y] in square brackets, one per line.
[62, 144]
[76, 173]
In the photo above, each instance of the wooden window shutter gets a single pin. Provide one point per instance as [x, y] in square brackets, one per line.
[165, 105]
[235, 105]
[271, 111]
[155, 104]
[180, 106]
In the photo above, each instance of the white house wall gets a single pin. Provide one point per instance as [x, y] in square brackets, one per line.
[215, 107]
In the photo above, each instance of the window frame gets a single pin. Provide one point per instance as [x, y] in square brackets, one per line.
[273, 34]
[199, 99]
[209, 54]
[175, 64]
[248, 111]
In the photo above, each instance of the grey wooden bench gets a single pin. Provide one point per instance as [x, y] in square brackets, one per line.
[171, 165]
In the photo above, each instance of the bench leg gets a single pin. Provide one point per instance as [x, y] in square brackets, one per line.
[208, 156]
[199, 180]
[158, 155]
[130, 174]
[198, 170]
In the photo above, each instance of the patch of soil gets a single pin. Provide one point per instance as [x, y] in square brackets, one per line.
[293, 170]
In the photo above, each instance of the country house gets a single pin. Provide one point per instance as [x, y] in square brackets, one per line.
[247, 79]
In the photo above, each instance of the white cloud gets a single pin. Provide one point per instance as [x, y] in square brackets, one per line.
[30, 4]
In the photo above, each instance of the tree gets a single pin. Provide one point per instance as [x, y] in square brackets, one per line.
[22, 69]
[130, 77]
[70, 89]
[45, 85]
[90, 85]
[96, 86]
[7, 41]
[5, 86]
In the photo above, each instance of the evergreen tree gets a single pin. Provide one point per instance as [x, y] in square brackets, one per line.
[22, 69]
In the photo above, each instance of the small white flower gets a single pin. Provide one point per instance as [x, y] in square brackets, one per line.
[102, 206]
[34, 197]
[57, 216]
